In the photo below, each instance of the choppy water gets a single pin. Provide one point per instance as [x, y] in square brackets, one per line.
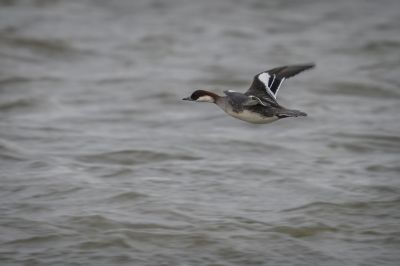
[101, 163]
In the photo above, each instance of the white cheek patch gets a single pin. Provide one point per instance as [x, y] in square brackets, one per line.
[205, 98]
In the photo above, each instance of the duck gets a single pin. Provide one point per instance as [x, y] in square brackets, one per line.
[258, 105]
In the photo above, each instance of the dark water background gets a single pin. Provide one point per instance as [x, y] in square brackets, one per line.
[101, 163]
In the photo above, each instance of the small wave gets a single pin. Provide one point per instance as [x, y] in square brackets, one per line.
[350, 208]
[96, 222]
[371, 48]
[34, 240]
[10, 151]
[378, 168]
[115, 226]
[382, 46]
[14, 80]
[383, 138]
[26, 103]
[361, 143]
[39, 3]
[133, 157]
[118, 172]
[243, 34]
[115, 242]
[254, 145]
[379, 190]
[115, 80]
[126, 196]
[304, 231]
[48, 47]
[35, 50]
[360, 89]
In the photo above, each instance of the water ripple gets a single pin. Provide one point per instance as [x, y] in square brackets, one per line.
[366, 142]
[134, 157]
[304, 231]
[11, 151]
[126, 197]
[359, 89]
[48, 47]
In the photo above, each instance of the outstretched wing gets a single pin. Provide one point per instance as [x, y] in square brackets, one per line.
[266, 84]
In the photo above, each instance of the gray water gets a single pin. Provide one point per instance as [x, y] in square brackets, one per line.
[101, 163]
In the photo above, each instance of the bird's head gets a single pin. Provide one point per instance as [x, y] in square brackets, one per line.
[202, 96]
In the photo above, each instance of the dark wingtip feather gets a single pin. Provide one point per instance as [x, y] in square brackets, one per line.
[308, 65]
[291, 70]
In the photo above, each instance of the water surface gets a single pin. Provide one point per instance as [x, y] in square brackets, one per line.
[101, 163]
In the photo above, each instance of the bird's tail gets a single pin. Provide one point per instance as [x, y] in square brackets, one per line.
[291, 113]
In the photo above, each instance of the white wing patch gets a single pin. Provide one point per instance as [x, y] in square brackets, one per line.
[268, 82]
[265, 79]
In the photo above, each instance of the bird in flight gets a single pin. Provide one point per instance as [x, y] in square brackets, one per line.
[258, 104]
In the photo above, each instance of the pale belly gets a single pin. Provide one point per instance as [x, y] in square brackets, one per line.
[252, 117]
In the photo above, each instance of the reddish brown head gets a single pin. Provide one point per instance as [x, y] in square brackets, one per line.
[202, 96]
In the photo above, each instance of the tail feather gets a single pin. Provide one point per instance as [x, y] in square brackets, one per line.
[291, 113]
